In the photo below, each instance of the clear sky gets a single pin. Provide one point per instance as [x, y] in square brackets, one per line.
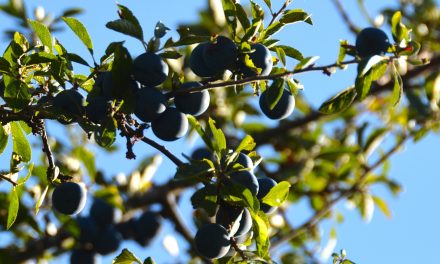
[411, 236]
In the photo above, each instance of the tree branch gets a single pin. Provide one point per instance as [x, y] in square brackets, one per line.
[6, 178]
[345, 17]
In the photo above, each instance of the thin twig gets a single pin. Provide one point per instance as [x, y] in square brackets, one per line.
[46, 146]
[277, 14]
[345, 16]
[173, 213]
[6, 178]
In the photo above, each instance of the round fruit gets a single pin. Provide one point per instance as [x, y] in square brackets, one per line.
[69, 198]
[82, 256]
[247, 179]
[244, 161]
[108, 240]
[197, 63]
[97, 109]
[192, 103]
[170, 125]
[88, 230]
[146, 227]
[212, 241]
[282, 109]
[220, 55]
[127, 229]
[69, 102]
[265, 185]
[237, 219]
[103, 213]
[202, 153]
[150, 103]
[149, 69]
[371, 41]
[261, 58]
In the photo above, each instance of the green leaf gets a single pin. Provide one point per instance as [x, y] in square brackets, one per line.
[126, 257]
[374, 140]
[206, 198]
[28, 175]
[281, 55]
[396, 95]
[376, 70]
[16, 93]
[230, 15]
[398, 29]
[88, 159]
[272, 29]
[42, 32]
[383, 206]
[274, 92]
[218, 138]
[268, 3]
[127, 24]
[14, 204]
[242, 16]
[261, 233]
[295, 15]
[188, 40]
[291, 52]
[39, 57]
[252, 31]
[4, 136]
[366, 64]
[5, 67]
[105, 136]
[149, 260]
[342, 52]
[80, 31]
[277, 195]
[339, 102]
[246, 144]
[306, 62]
[21, 40]
[239, 195]
[257, 11]
[76, 58]
[20, 144]
[196, 125]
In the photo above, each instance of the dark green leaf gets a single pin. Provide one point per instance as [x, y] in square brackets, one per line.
[242, 16]
[126, 257]
[76, 58]
[121, 71]
[160, 30]
[240, 195]
[272, 29]
[16, 93]
[40, 57]
[295, 15]
[71, 12]
[188, 40]
[80, 31]
[277, 195]
[252, 31]
[291, 52]
[14, 204]
[20, 143]
[4, 136]
[149, 260]
[194, 173]
[339, 102]
[206, 198]
[170, 54]
[42, 32]
[274, 92]
[281, 55]
[268, 3]
[5, 67]
[366, 64]
[230, 15]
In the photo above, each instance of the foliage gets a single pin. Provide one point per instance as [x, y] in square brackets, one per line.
[322, 155]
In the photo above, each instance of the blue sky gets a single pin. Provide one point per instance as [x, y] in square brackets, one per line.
[411, 236]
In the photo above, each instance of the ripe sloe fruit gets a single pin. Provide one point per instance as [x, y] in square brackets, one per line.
[108, 240]
[192, 103]
[265, 185]
[82, 256]
[261, 58]
[127, 229]
[149, 69]
[197, 62]
[146, 227]
[247, 179]
[170, 125]
[202, 153]
[212, 241]
[220, 55]
[228, 215]
[282, 109]
[69, 198]
[150, 103]
[244, 161]
[88, 229]
[103, 213]
[371, 41]
[97, 108]
[69, 102]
